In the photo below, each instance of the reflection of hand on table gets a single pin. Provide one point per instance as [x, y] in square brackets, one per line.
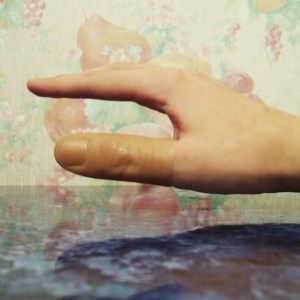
[223, 143]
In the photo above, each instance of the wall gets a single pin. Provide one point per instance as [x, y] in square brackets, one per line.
[251, 45]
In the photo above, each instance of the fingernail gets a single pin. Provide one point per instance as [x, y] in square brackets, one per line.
[71, 151]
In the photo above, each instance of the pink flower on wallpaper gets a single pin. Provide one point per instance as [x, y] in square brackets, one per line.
[182, 45]
[74, 53]
[161, 13]
[17, 155]
[206, 50]
[131, 54]
[21, 125]
[10, 112]
[233, 29]
[34, 12]
[59, 176]
[3, 140]
[16, 135]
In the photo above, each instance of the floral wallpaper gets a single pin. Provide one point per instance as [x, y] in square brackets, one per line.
[253, 46]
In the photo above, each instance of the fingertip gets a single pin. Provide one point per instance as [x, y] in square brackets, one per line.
[40, 87]
[33, 86]
[71, 151]
[58, 152]
[30, 84]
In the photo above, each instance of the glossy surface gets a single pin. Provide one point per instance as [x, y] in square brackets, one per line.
[147, 242]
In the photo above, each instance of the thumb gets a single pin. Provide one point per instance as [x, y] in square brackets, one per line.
[118, 157]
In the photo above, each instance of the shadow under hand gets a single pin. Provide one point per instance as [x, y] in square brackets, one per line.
[217, 262]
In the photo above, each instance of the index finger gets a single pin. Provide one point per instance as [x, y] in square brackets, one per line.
[149, 87]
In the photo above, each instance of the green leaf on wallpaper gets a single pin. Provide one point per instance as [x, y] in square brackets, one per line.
[294, 39]
[290, 15]
[109, 187]
[158, 49]
[160, 37]
[16, 18]
[187, 197]
[165, 30]
[223, 68]
[5, 126]
[287, 16]
[11, 13]
[226, 41]
[118, 114]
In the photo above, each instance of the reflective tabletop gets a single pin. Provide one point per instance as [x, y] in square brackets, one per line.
[147, 242]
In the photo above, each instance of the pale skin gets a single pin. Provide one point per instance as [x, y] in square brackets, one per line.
[223, 142]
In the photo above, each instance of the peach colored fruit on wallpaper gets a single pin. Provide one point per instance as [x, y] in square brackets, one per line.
[238, 81]
[63, 116]
[267, 6]
[98, 39]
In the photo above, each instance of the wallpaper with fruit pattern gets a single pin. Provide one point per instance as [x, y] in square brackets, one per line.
[251, 45]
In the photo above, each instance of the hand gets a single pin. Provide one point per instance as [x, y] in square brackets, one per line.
[223, 142]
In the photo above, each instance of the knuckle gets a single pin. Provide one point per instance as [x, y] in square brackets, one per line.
[174, 82]
[121, 156]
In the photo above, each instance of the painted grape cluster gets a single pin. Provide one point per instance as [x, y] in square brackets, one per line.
[233, 29]
[33, 12]
[273, 41]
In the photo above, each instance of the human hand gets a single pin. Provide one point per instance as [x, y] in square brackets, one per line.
[223, 142]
